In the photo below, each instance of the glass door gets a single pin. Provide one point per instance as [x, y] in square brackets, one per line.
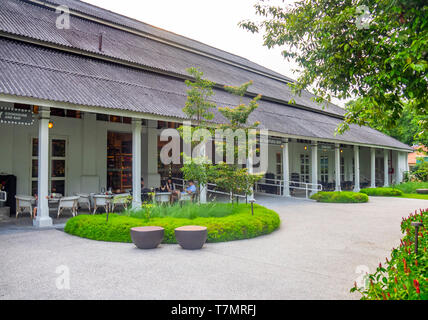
[324, 169]
[119, 161]
[304, 168]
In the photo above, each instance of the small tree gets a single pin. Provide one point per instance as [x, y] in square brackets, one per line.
[198, 108]
[230, 176]
[197, 105]
[233, 179]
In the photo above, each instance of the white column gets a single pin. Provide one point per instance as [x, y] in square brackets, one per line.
[401, 166]
[386, 167]
[372, 168]
[337, 165]
[203, 188]
[150, 159]
[43, 219]
[286, 168]
[314, 160]
[136, 163]
[357, 168]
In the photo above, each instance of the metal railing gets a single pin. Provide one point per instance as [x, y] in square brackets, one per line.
[182, 183]
[280, 185]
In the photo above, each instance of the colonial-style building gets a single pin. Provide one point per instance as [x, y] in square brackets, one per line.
[94, 96]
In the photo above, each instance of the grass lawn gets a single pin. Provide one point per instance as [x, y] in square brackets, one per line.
[408, 189]
[415, 196]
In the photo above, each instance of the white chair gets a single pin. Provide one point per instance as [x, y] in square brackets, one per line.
[121, 200]
[69, 203]
[84, 199]
[24, 202]
[102, 201]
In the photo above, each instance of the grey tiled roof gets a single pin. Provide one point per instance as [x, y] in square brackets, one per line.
[28, 20]
[33, 71]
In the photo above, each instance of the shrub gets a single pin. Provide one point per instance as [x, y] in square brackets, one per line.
[420, 171]
[410, 187]
[404, 277]
[240, 225]
[382, 192]
[340, 197]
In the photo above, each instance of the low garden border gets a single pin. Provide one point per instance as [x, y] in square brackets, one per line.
[233, 227]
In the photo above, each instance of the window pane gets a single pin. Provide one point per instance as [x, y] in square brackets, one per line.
[33, 188]
[35, 152]
[57, 112]
[58, 186]
[58, 168]
[58, 148]
[35, 168]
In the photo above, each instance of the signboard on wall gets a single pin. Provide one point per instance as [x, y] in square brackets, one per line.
[16, 116]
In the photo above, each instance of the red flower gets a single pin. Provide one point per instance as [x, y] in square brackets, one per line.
[416, 285]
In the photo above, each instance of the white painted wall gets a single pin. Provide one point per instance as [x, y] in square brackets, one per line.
[86, 154]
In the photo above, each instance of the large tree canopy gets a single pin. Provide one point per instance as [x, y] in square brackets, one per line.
[372, 51]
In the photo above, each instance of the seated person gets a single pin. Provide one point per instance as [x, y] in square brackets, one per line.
[191, 189]
[175, 194]
[163, 187]
[144, 191]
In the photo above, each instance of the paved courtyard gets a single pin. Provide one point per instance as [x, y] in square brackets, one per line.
[314, 255]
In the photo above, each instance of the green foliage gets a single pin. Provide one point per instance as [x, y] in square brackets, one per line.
[238, 115]
[382, 192]
[197, 104]
[406, 130]
[420, 171]
[404, 277]
[197, 169]
[384, 64]
[239, 224]
[340, 197]
[187, 211]
[234, 179]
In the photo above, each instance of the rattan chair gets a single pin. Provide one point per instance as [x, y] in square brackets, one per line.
[24, 202]
[68, 203]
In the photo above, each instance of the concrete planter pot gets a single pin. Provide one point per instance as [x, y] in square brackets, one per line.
[191, 237]
[147, 237]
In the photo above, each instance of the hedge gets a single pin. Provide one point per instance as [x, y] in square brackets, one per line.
[234, 227]
[382, 192]
[340, 197]
[405, 275]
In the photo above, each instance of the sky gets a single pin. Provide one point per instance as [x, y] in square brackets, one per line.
[212, 22]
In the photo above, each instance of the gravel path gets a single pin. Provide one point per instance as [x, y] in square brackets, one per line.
[314, 255]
